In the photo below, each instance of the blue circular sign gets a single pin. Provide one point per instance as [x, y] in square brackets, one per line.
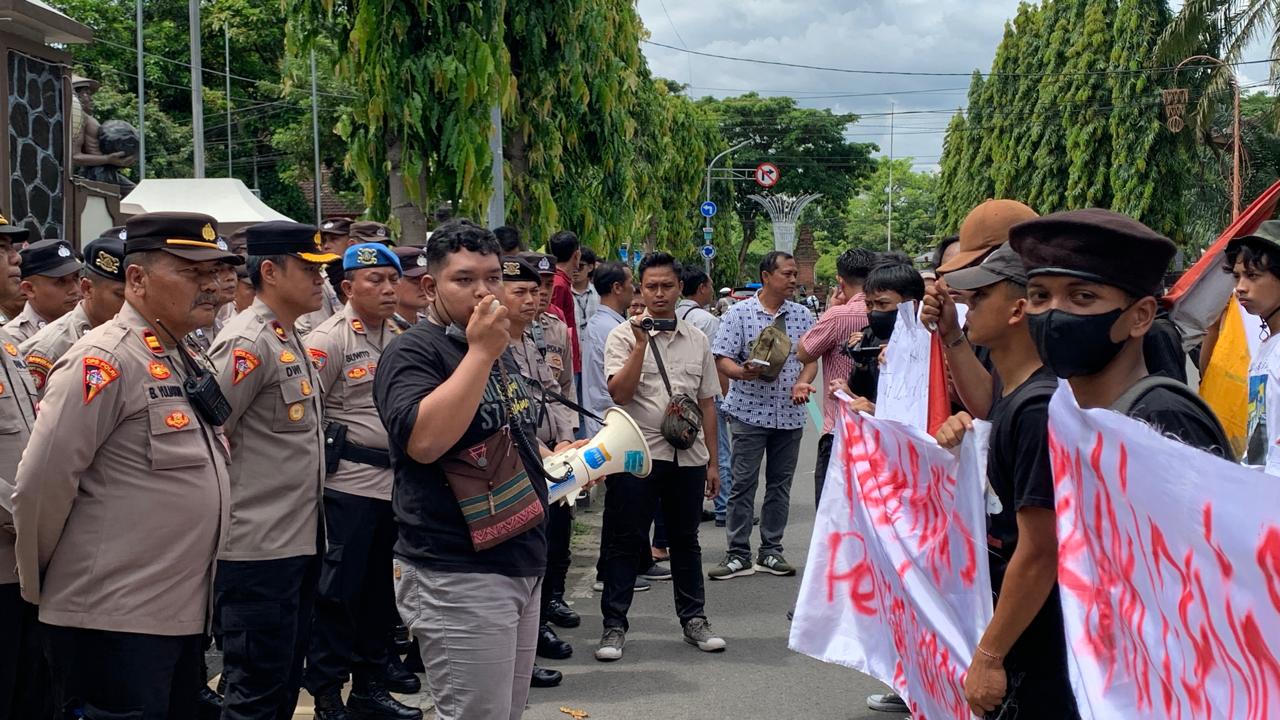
[709, 252]
[708, 209]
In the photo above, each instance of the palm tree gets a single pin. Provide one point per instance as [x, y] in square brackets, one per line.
[1224, 28]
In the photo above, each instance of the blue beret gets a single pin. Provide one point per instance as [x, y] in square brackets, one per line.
[370, 255]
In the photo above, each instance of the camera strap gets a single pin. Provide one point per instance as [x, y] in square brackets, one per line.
[662, 368]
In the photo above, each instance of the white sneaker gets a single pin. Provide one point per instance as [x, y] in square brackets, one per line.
[698, 632]
[611, 643]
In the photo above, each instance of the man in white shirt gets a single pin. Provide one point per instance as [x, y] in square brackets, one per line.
[692, 308]
[613, 283]
[1254, 260]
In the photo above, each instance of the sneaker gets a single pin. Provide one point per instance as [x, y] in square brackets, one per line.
[698, 632]
[774, 564]
[640, 586]
[731, 567]
[611, 643]
[657, 571]
[887, 702]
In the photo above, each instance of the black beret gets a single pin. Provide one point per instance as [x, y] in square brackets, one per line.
[104, 255]
[1096, 245]
[518, 269]
[282, 237]
[51, 258]
[190, 236]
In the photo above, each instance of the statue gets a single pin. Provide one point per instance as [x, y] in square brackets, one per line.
[99, 151]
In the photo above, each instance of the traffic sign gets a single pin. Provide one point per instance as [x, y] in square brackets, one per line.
[708, 209]
[766, 175]
[708, 251]
[622, 254]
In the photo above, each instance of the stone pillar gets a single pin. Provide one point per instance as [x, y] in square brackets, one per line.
[806, 259]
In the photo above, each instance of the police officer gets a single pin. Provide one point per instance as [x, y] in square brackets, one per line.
[355, 609]
[335, 238]
[122, 611]
[23, 675]
[369, 231]
[268, 567]
[550, 333]
[411, 301]
[102, 295]
[49, 270]
[12, 238]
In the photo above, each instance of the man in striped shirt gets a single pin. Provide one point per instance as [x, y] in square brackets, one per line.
[827, 340]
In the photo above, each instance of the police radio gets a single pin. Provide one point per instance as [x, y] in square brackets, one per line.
[200, 386]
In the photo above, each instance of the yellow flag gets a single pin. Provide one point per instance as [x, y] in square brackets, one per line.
[1225, 385]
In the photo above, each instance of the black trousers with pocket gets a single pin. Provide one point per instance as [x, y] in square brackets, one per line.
[355, 606]
[559, 533]
[24, 673]
[264, 613]
[104, 675]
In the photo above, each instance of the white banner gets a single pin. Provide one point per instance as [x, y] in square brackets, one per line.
[896, 584]
[1169, 567]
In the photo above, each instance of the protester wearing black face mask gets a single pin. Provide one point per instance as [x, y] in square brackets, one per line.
[1093, 277]
[891, 282]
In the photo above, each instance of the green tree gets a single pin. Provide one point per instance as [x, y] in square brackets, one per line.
[915, 209]
[1087, 107]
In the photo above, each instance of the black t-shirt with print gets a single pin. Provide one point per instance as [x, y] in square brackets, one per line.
[432, 531]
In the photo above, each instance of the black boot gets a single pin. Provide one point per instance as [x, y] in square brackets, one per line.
[413, 660]
[372, 701]
[559, 613]
[544, 677]
[208, 704]
[401, 643]
[550, 646]
[397, 678]
[329, 707]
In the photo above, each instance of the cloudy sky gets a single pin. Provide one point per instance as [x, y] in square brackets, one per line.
[918, 36]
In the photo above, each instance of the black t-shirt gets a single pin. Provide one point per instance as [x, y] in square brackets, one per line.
[1162, 348]
[431, 527]
[1182, 419]
[865, 375]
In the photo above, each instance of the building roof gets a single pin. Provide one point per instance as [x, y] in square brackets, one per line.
[40, 21]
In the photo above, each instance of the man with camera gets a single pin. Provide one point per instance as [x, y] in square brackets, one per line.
[661, 372]
[355, 605]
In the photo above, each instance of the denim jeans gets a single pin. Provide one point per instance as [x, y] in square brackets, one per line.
[751, 445]
[721, 502]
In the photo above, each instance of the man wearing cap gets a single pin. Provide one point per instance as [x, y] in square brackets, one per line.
[122, 612]
[49, 274]
[411, 301]
[369, 231]
[550, 332]
[1254, 261]
[335, 238]
[12, 238]
[1021, 538]
[355, 606]
[102, 290]
[268, 567]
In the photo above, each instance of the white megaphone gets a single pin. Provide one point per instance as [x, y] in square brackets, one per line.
[618, 447]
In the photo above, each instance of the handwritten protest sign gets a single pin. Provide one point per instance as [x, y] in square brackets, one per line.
[1169, 567]
[902, 392]
[896, 584]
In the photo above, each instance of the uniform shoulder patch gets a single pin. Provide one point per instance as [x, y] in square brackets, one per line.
[98, 374]
[243, 362]
[39, 366]
[318, 358]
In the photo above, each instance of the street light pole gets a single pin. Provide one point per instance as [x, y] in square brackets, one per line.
[893, 109]
[142, 103]
[1235, 125]
[197, 88]
[714, 160]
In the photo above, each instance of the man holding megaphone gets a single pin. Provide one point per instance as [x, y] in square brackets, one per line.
[660, 370]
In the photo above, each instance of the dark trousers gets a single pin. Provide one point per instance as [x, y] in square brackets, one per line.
[264, 609]
[628, 509]
[820, 469]
[24, 673]
[356, 600]
[103, 675]
[559, 532]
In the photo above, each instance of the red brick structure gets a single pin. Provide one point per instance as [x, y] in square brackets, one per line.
[806, 258]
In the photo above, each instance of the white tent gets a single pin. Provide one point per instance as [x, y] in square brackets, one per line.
[226, 199]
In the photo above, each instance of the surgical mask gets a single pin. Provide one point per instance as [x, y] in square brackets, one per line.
[881, 322]
[1071, 345]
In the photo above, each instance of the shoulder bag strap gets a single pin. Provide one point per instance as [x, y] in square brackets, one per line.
[662, 369]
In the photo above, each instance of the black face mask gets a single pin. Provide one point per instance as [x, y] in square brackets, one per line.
[1071, 345]
[881, 322]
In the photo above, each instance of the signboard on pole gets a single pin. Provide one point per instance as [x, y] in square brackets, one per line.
[708, 209]
[766, 175]
[709, 252]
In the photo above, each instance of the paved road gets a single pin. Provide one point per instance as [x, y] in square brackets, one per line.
[662, 677]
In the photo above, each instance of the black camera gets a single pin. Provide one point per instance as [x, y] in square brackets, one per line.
[658, 324]
[860, 354]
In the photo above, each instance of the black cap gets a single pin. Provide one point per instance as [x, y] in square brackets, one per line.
[336, 226]
[370, 231]
[413, 260]
[14, 234]
[1095, 245]
[104, 255]
[1003, 264]
[518, 269]
[51, 258]
[282, 237]
[543, 263]
[190, 236]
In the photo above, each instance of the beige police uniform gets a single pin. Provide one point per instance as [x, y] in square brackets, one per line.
[559, 357]
[345, 354]
[118, 529]
[17, 417]
[274, 430]
[329, 306]
[44, 348]
[26, 324]
[553, 427]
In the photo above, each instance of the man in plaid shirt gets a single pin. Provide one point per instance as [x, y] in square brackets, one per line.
[846, 316]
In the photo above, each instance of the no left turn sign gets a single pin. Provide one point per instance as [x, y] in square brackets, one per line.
[766, 175]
